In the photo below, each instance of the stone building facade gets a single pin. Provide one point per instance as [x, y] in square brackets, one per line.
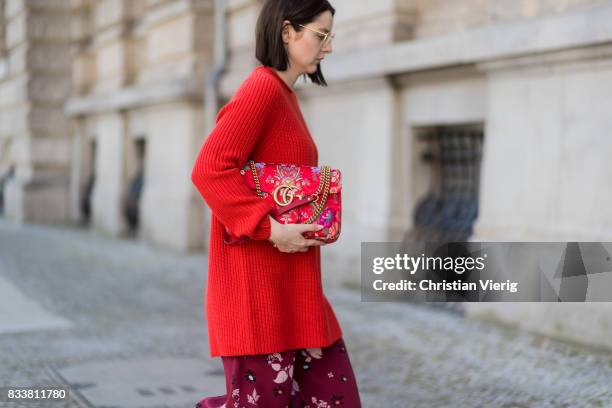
[104, 100]
[35, 136]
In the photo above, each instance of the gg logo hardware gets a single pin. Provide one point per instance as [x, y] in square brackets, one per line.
[287, 193]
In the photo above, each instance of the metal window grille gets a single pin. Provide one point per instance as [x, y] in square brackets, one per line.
[450, 207]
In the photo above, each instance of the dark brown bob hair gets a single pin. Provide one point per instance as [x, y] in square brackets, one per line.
[269, 47]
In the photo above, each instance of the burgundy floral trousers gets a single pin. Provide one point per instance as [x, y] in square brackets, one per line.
[303, 378]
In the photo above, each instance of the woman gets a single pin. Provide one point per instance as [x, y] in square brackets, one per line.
[268, 319]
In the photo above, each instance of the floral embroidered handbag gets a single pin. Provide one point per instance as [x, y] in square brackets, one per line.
[301, 194]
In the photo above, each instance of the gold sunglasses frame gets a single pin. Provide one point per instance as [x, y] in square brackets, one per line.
[328, 37]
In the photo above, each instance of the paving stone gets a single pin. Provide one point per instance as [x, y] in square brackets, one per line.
[20, 313]
[147, 382]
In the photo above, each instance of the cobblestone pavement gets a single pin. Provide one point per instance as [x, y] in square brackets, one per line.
[129, 300]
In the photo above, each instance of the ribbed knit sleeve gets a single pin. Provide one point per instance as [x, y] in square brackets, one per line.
[216, 173]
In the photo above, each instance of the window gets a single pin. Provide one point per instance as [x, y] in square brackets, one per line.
[452, 156]
[135, 185]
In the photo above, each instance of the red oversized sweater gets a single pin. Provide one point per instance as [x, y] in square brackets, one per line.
[258, 299]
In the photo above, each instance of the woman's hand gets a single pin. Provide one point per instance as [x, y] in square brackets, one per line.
[289, 238]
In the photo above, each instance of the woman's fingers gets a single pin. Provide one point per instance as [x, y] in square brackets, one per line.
[309, 227]
[306, 244]
[312, 242]
[299, 243]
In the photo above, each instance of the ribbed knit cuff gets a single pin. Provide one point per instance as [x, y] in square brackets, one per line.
[263, 229]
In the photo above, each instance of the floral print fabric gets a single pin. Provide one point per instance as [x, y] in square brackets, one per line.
[305, 378]
[296, 184]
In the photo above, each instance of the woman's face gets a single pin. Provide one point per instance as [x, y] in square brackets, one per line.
[306, 48]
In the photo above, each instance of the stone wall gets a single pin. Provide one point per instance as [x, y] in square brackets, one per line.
[437, 17]
[34, 85]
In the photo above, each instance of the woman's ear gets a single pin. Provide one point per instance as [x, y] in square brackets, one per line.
[285, 32]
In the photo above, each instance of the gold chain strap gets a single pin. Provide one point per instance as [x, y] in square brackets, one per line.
[326, 174]
[254, 171]
[323, 186]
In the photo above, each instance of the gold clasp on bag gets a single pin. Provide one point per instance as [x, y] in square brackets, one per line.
[288, 192]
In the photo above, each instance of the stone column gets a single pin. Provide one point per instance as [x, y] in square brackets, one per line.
[177, 54]
[108, 192]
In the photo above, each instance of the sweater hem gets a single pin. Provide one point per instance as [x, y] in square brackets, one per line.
[274, 349]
